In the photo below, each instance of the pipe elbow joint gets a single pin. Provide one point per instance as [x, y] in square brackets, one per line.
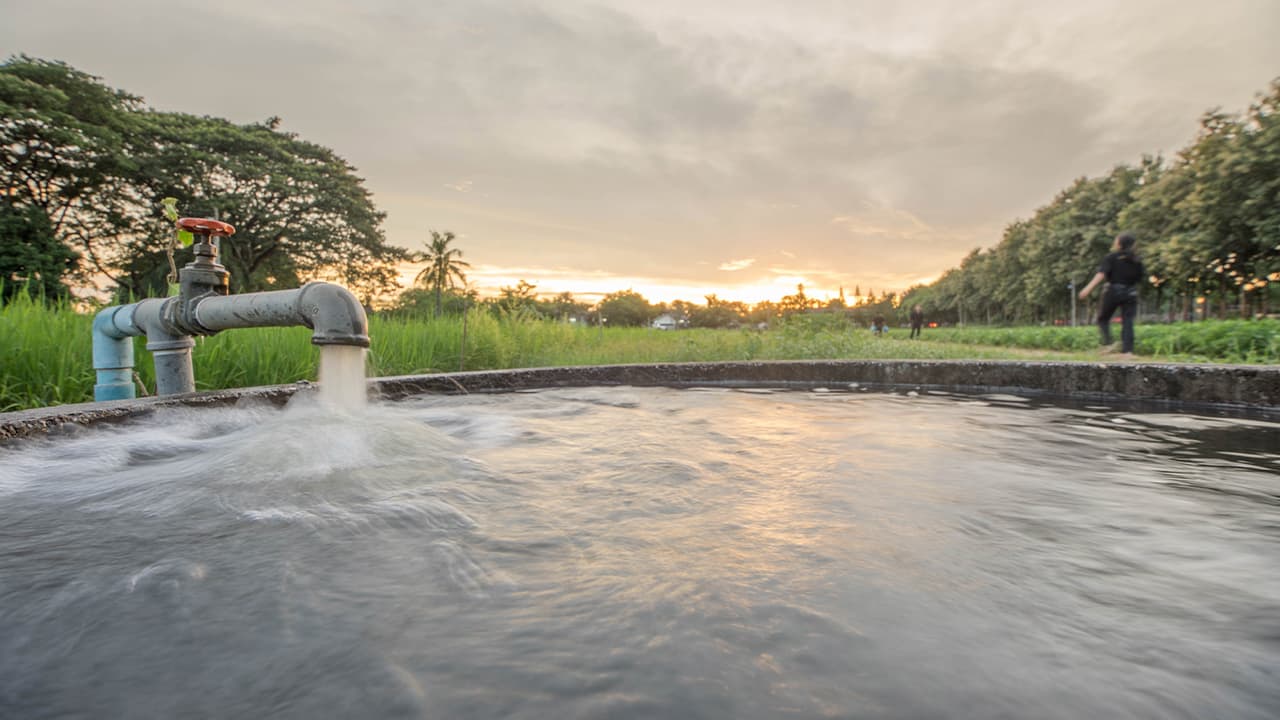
[115, 322]
[334, 315]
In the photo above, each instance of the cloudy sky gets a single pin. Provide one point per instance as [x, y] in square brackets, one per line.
[684, 147]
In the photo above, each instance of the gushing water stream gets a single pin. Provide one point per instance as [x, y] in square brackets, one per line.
[342, 378]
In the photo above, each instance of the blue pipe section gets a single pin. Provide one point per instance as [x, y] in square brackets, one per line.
[113, 330]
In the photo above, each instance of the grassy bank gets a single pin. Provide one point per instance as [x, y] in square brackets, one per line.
[45, 351]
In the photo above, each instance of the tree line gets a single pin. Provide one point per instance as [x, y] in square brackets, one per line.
[1208, 224]
[441, 289]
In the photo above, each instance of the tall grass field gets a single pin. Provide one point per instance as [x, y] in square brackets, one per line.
[46, 349]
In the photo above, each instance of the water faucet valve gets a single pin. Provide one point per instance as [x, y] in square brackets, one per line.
[202, 277]
[205, 230]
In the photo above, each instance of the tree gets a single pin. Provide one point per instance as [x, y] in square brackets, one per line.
[625, 307]
[1008, 266]
[1170, 243]
[683, 311]
[62, 139]
[1236, 196]
[97, 163]
[1262, 203]
[764, 311]
[799, 302]
[518, 301]
[419, 303]
[562, 307]
[31, 258]
[444, 266]
[299, 210]
[718, 313]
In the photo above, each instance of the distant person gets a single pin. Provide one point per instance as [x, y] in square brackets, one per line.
[917, 321]
[877, 325]
[1123, 271]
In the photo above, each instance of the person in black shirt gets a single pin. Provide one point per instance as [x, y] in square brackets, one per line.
[1123, 271]
[917, 321]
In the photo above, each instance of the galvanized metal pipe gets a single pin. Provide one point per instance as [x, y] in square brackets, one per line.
[170, 347]
[331, 311]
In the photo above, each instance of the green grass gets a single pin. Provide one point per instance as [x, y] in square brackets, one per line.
[46, 358]
[45, 355]
[1230, 341]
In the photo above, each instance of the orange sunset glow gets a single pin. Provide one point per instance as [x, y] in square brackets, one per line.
[752, 288]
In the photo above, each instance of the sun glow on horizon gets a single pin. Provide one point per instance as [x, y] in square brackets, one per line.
[770, 284]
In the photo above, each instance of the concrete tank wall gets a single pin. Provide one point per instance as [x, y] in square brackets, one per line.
[1236, 388]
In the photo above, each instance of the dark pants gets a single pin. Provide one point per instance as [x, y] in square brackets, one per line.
[1124, 297]
[915, 330]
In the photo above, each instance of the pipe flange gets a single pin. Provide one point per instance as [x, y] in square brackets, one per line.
[181, 343]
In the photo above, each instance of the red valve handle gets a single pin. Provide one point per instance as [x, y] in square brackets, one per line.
[205, 226]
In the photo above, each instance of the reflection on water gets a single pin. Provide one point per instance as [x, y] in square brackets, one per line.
[645, 553]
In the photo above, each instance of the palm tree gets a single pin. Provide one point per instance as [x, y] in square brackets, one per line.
[444, 266]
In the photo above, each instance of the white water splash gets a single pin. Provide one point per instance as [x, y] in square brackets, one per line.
[342, 380]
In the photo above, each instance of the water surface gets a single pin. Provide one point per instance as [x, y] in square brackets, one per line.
[645, 553]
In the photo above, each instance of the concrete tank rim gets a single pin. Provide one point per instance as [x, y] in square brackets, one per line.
[1231, 389]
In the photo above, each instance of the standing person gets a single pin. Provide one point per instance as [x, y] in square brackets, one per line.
[917, 321]
[877, 325]
[1122, 269]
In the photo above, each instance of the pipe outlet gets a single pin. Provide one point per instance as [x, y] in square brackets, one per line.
[334, 314]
